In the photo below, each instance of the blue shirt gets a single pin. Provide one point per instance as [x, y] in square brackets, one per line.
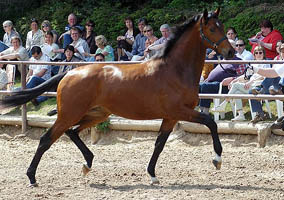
[138, 46]
[3, 46]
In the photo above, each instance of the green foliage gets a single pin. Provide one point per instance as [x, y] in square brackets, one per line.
[104, 126]
[109, 15]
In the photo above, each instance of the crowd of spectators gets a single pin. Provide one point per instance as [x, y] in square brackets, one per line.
[80, 43]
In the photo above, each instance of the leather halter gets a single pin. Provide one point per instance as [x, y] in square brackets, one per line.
[215, 45]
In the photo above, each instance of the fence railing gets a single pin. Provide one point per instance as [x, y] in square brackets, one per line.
[23, 64]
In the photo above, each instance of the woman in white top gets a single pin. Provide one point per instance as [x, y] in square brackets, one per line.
[35, 37]
[49, 48]
[242, 86]
[9, 33]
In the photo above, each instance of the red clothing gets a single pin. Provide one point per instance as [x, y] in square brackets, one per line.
[271, 38]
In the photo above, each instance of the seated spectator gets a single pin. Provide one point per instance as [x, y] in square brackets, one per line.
[278, 44]
[89, 35]
[271, 85]
[103, 48]
[242, 52]
[160, 43]
[266, 38]
[126, 41]
[81, 47]
[46, 27]
[16, 52]
[69, 52]
[38, 73]
[35, 37]
[242, 86]
[231, 33]
[99, 57]
[224, 73]
[10, 32]
[66, 36]
[138, 46]
[49, 48]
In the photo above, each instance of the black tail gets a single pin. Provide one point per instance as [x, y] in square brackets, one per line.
[21, 97]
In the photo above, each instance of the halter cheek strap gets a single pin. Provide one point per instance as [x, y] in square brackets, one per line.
[215, 45]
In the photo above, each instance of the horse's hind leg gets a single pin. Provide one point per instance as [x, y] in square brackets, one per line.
[92, 118]
[45, 142]
[164, 132]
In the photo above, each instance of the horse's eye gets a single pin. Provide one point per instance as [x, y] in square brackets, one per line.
[212, 30]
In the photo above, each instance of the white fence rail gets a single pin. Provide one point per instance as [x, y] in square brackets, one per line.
[24, 64]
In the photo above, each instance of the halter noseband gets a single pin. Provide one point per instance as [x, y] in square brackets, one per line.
[215, 45]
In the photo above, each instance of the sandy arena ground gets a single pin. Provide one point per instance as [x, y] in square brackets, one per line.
[184, 168]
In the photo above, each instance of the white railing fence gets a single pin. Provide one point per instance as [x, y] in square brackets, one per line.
[24, 64]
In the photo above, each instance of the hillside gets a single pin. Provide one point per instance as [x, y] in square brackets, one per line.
[109, 14]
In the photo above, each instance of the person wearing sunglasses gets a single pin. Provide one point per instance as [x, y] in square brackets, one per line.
[242, 85]
[10, 32]
[90, 36]
[46, 27]
[99, 57]
[241, 52]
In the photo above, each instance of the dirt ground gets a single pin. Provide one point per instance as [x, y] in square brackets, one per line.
[184, 168]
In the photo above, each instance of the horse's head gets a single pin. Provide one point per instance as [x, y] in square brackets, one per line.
[213, 34]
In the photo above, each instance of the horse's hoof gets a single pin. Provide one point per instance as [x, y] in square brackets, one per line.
[85, 169]
[217, 164]
[32, 185]
[154, 181]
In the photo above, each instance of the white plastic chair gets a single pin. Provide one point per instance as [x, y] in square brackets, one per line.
[217, 102]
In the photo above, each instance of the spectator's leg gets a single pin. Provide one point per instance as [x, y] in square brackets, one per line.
[208, 88]
[35, 81]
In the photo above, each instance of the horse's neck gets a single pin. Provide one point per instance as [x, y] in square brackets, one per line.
[188, 54]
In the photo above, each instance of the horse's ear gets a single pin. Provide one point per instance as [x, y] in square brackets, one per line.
[205, 16]
[217, 12]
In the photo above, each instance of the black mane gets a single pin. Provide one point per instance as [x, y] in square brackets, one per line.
[178, 32]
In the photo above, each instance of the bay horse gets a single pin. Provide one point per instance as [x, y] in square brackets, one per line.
[165, 87]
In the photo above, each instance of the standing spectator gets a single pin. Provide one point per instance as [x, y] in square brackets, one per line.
[89, 35]
[46, 27]
[242, 52]
[35, 37]
[125, 42]
[66, 36]
[9, 33]
[138, 46]
[231, 33]
[38, 73]
[266, 38]
[103, 48]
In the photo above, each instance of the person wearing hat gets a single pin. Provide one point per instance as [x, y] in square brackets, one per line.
[89, 35]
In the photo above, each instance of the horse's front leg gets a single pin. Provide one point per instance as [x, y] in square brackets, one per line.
[205, 119]
[164, 132]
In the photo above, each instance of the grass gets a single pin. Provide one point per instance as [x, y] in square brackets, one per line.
[246, 109]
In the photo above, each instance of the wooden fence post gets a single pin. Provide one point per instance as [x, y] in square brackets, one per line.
[24, 107]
